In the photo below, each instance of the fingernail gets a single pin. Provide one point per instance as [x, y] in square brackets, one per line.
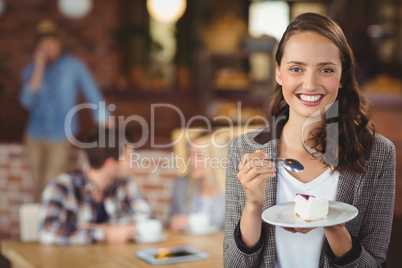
[265, 156]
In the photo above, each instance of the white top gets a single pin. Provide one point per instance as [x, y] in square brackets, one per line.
[296, 249]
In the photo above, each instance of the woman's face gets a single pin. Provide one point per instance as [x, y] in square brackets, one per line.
[310, 73]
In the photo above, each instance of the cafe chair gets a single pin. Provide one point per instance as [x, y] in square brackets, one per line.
[29, 222]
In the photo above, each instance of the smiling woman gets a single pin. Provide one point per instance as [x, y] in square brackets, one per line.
[320, 118]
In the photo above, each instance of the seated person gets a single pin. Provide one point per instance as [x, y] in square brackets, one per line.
[198, 192]
[100, 204]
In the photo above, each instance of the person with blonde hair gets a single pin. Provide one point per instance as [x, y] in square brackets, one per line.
[199, 191]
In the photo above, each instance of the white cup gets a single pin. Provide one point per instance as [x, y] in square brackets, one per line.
[199, 222]
[148, 228]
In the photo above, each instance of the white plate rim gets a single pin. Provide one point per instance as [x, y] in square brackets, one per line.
[270, 215]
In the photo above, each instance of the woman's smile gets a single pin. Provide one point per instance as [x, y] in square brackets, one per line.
[310, 99]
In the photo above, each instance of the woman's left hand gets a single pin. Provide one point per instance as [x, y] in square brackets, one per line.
[337, 236]
[338, 239]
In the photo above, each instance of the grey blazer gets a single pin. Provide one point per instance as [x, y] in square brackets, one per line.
[371, 193]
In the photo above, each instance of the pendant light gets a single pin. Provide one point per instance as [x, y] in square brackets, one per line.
[168, 11]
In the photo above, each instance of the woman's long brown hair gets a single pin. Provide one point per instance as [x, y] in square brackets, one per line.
[355, 131]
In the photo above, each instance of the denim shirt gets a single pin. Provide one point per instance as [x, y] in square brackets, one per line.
[51, 108]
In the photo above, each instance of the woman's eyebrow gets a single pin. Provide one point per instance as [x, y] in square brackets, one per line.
[327, 63]
[295, 62]
[302, 63]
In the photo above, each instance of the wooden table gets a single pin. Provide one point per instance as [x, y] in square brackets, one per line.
[32, 255]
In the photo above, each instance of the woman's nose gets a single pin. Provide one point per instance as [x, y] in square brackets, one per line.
[310, 81]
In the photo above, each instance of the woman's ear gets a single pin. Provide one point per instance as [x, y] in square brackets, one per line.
[278, 75]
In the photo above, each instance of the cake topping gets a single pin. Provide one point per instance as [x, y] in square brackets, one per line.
[306, 196]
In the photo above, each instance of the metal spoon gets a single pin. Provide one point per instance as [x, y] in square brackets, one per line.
[291, 164]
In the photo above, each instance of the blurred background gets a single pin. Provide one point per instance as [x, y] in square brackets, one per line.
[205, 57]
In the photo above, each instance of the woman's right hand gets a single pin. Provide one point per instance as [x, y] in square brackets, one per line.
[178, 223]
[39, 59]
[254, 169]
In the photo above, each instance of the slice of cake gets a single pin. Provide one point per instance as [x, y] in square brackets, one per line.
[310, 208]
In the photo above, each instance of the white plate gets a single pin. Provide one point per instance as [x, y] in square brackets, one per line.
[209, 230]
[149, 239]
[283, 215]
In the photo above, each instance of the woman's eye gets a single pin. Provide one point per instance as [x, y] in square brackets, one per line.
[295, 69]
[327, 70]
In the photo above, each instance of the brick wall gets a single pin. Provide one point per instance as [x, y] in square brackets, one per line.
[15, 184]
[91, 38]
[155, 179]
[155, 182]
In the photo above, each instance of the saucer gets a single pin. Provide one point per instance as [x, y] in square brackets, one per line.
[206, 231]
[149, 239]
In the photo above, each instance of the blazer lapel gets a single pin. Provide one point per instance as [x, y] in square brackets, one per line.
[347, 186]
[272, 148]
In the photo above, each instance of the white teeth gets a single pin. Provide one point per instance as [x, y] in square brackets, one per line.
[310, 98]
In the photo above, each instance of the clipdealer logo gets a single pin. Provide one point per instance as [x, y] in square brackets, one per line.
[232, 129]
